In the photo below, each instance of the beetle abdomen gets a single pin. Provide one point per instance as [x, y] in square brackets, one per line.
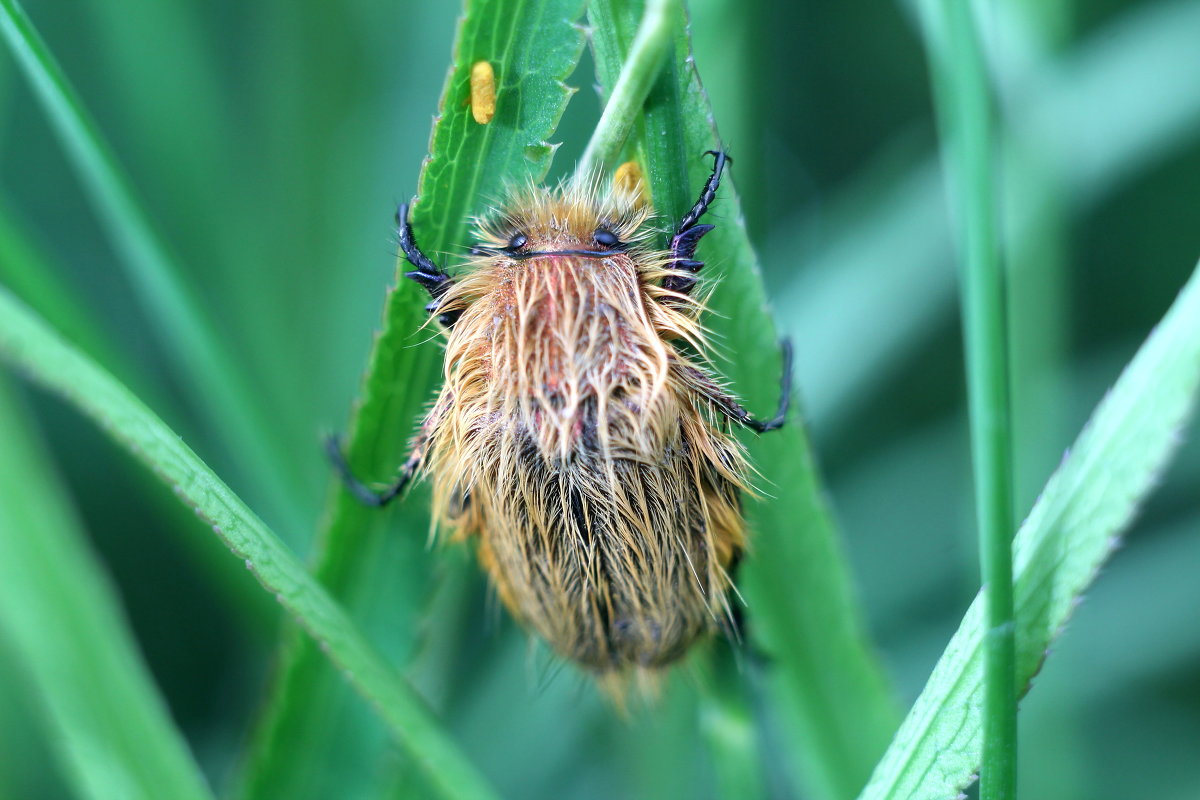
[611, 561]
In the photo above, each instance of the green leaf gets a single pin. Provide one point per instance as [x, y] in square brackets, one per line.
[32, 348]
[63, 623]
[235, 415]
[1072, 528]
[377, 561]
[824, 682]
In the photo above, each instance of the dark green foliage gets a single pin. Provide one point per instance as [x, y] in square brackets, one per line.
[269, 143]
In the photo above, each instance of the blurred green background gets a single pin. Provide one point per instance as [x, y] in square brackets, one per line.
[270, 142]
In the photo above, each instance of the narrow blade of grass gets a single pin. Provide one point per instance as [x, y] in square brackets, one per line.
[1072, 528]
[33, 278]
[533, 45]
[964, 104]
[824, 682]
[62, 621]
[35, 350]
[234, 414]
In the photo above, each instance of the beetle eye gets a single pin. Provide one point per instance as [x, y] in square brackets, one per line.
[517, 241]
[606, 237]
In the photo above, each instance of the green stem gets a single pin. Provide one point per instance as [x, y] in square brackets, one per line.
[36, 350]
[965, 112]
[201, 362]
[638, 73]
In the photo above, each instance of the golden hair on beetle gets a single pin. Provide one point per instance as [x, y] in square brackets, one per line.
[585, 452]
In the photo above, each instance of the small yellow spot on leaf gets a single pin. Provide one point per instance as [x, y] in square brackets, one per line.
[628, 180]
[483, 92]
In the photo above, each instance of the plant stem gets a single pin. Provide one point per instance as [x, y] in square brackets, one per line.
[638, 74]
[965, 112]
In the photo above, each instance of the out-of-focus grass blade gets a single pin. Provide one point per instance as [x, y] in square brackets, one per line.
[62, 622]
[32, 277]
[27, 274]
[727, 722]
[1101, 115]
[1071, 530]
[35, 350]
[825, 683]
[234, 413]
[28, 768]
[533, 45]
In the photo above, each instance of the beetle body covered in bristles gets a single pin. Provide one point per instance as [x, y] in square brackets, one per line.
[574, 437]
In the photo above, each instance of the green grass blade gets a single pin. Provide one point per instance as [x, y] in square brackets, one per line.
[381, 558]
[35, 280]
[234, 414]
[32, 348]
[1072, 528]
[824, 682]
[63, 623]
[964, 104]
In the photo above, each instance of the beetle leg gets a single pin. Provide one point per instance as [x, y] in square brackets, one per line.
[431, 277]
[365, 494]
[688, 233]
[730, 407]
